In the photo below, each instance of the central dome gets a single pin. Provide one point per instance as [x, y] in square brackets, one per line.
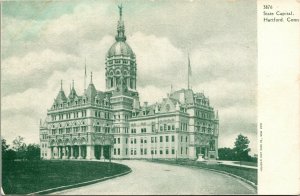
[120, 48]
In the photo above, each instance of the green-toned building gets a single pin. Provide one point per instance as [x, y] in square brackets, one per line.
[113, 123]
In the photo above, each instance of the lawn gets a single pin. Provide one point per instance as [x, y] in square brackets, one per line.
[246, 173]
[246, 163]
[22, 177]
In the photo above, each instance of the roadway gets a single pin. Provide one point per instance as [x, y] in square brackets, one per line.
[148, 178]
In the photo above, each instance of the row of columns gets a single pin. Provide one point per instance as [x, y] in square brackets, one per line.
[78, 152]
[68, 152]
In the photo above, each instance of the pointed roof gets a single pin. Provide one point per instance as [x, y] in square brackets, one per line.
[73, 93]
[91, 90]
[61, 97]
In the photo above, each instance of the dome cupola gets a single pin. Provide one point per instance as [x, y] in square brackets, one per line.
[120, 61]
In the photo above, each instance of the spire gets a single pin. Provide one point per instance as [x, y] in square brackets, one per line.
[91, 78]
[61, 94]
[61, 83]
[121, 28]
[72, 94]
[189, 70]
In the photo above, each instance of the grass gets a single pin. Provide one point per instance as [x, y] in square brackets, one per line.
[23, 177]
[246, 163]
[246, 173]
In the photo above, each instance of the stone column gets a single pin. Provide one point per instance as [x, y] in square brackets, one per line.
[51, 153]
[192, 153]
[72, 153]
[216, 148]
[206, 152]
[64, 152]
[79, 153]
[55, 152]
[90, 152]
[102, 155]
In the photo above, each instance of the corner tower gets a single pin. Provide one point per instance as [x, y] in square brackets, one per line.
[120, 62]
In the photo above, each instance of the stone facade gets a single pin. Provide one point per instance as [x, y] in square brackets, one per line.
[113, 123]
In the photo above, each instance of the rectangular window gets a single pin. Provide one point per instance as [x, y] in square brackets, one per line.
[181, 150]
[173, 127]
[167, 138]
[141, 151]
[173, 138]
[160, 152]
[153, 128]
[126, 151]
[167, 151]
[161, 138]
[126, 140]
[145, 151]
[141, 140]
[169, 127]
[118, 151]
[119, 141]
[186, 139]
[115, 140]
[115, 151]
[173, 151]
[186, 150]
[161, 128]
[165, 127]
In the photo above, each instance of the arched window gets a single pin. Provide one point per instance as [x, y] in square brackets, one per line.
[111, 82]
[131, 83]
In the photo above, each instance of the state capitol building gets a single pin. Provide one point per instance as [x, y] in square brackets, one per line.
[114, 124]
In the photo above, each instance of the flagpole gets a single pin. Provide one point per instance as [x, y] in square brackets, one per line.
[189, 70]
[85, 75]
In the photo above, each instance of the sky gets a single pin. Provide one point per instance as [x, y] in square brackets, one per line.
[46, 41]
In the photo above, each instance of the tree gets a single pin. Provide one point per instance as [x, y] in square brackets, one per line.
[20, 147]
[7, 154]
[33, 152]
[4, 145]
[226, 154]
[241, 148]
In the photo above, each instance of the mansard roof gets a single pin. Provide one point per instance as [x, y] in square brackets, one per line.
[72, 94]
[61, 97]
[91, 91]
